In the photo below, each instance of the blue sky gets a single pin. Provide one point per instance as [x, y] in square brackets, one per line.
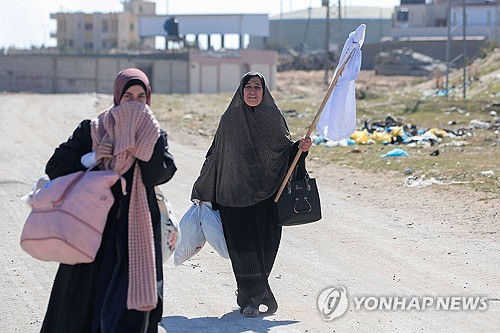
[24, 23]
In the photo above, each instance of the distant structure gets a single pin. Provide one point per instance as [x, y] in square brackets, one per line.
[92, 48]
[137, 27]
[416, 19]
[191, 29]
[169, 73]
[448, 30]
[200, 54]
[102, 32]
[305, 29]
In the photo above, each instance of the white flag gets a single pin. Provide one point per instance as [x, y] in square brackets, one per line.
[338, 118]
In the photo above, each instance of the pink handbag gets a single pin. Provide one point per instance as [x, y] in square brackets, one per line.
[68, 217]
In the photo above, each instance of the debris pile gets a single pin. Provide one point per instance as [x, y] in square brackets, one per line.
[406, 62]
[391, 131]
[305, 60]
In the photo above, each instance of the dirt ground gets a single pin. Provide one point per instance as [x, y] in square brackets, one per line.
[294, 82]
[377, 238]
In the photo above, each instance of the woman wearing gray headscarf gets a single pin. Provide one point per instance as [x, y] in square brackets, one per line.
[243, 170]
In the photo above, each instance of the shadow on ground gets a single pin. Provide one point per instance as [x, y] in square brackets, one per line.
[230, 322]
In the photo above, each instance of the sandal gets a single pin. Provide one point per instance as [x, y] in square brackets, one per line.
[270, 302]
[250, 311]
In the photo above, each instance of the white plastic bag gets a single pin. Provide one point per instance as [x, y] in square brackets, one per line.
[193, 238]
[212, 229]
[170, 233]
[39, 184]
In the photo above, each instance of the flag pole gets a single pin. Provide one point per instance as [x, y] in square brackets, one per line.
[313, 124]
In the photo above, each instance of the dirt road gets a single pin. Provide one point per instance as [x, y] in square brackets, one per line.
[377, 240]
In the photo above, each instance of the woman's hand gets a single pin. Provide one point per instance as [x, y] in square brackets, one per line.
[104, 150]
[305, 144]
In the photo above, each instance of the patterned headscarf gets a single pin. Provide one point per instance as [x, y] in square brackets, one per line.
[248, 158]
[124, 77]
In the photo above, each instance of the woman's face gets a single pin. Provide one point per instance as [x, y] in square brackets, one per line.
[134, 93]
[253, 91]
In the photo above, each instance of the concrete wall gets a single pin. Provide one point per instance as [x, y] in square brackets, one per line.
[76, 74]
[168, 73]
[221, 72]
[20, 73]
[437, 48]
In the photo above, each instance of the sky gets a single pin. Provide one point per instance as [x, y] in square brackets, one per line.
[26, 23]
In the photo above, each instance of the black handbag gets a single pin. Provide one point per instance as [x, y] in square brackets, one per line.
[299, 203]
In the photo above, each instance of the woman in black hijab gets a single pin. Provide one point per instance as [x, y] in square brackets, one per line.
[242, 172]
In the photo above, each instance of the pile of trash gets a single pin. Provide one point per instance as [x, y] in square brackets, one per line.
[391, 131]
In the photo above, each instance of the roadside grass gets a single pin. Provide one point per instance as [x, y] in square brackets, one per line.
[460, 160]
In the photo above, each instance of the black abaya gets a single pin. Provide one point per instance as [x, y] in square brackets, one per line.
[92, 298]
[252, 240]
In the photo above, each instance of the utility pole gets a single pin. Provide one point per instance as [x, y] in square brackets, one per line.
[448, 23]
[464, 24]
[341, 35]
[327, 41]
[281, 24]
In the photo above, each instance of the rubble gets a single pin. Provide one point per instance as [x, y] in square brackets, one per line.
[406, 62]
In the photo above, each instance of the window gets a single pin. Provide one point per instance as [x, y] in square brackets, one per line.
[403, 15]
[105, 26]
[131, 27]
[441, 22]
[88, 26]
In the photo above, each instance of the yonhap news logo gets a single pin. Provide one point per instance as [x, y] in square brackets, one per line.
[333, 302]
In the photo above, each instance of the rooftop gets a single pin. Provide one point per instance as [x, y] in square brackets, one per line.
[347, 13]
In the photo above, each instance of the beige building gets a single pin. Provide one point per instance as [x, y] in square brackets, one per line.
[102, 32]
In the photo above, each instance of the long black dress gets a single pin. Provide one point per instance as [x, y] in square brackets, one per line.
[253, 237]
[243, 170]
[92, 298]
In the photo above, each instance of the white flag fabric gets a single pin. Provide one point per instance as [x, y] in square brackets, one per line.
[338, 118]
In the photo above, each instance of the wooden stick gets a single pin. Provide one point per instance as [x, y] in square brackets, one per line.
[313, 124]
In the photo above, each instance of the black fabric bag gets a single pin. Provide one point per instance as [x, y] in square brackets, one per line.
[299, 203]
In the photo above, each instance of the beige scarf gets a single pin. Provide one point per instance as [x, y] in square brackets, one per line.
[133, 130]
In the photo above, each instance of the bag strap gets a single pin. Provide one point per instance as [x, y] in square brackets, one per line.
[160, 198]
[68, 189]
[300, 169]
[72, 185]
[294, 177]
